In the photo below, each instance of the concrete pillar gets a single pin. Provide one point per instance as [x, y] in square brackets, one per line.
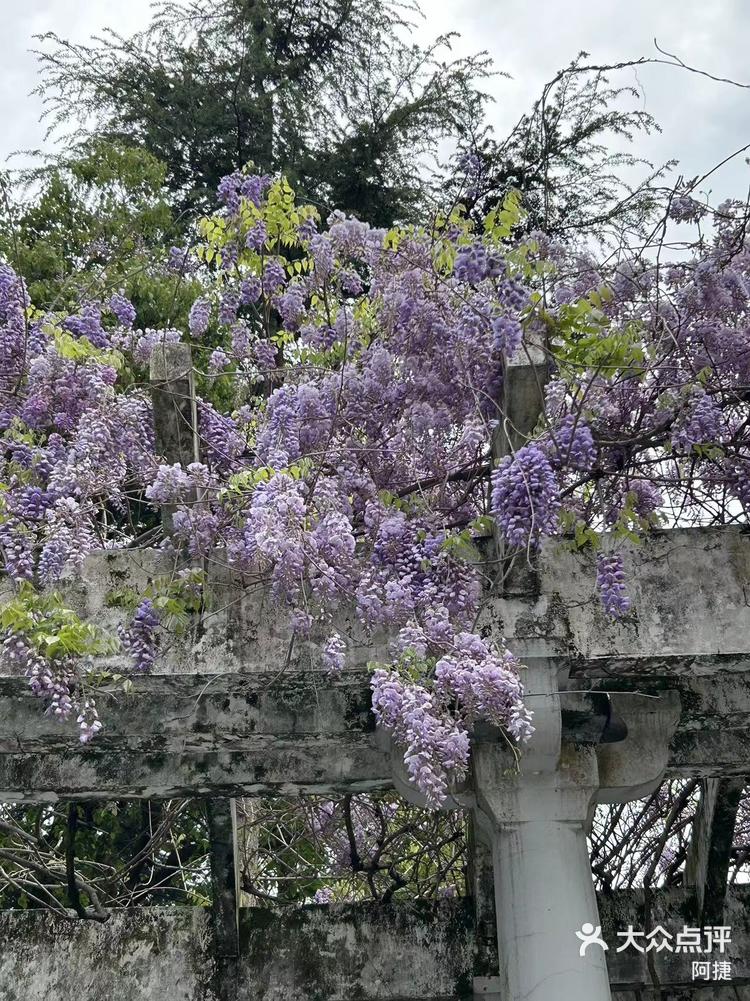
[536, 819]
[175, 409]
[177, 440]
[174, 402]
[544, 893]
[707, 863]
[482, 890]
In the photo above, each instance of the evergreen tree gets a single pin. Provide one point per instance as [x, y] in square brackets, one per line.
[330, 92]
[570, 157]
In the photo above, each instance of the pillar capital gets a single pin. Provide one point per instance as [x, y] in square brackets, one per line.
[509, 799]
[634, 767]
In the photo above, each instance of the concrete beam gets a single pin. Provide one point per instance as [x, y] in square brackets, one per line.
[227, 735]
[691, 613]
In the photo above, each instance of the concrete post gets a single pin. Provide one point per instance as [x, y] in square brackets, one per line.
[175, 409]
[482, 890]
[707, 863]
[177, 439]
[536, 822]
[174, 402]
[222, 835]
[521, 401]
[544, 892]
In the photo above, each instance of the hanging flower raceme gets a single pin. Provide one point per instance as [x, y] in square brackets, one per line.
[463, 679]
[139, 639]
[525, 497]
[610, 579]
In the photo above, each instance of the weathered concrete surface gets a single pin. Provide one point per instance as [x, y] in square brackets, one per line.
[699, 992]
[241, 631]
[236, 710]
[415, 951]
[149, 954]
[198, 736]
[230, 735]
[691, 612]
[691, 606]
[406, 952]
[198, 713]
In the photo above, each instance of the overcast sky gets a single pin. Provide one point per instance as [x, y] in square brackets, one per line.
[702, 121]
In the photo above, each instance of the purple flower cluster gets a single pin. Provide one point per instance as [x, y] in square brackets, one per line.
[16, 550]
[139, 639]
[88, 721]
[683, 208]
[143, 343]
[264, 354]
[572, 444]
[180, 261]
[307, 229]
[274, 276]
[525, 497]
[411, 573]
[122, 308]
[485, 684]
[234, 187]
[334, 654]
[88, 323]
[13, 340]
[291, 306]
[221, 443]
[52, 680]
[610, 580]
[56, 552]
[507, 335]
[473, 264]
[218, 360]
[512, 294]
[228, 306]
[298, 418]
[171, 485]
[240, 338]
[471, 682]
[250, 290]
[323, 896]
[700, 426]
[323, 255]
[256, 236]
[200, 317]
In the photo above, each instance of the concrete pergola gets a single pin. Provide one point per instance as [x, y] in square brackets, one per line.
[230, 713]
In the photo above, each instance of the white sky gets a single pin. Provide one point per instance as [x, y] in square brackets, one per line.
[702, 121]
